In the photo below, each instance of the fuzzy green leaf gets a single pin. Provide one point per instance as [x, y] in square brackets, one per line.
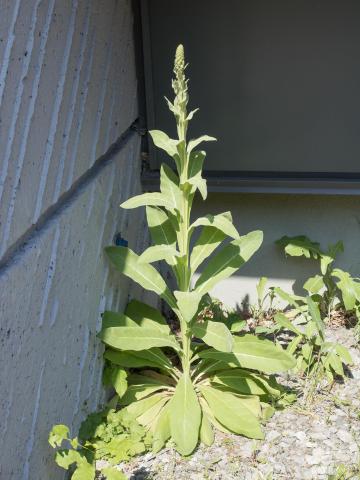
[236, 413]
[161, 140]
[144, 274]
[115, 319]
[185, 416]
[209, 239]
[148, 199]
[153, 357]
[252, 352]
[146, 316]
[161, 229]
[169, 186]
[245, 382]
[196, 160]
[222, 222]
[194, 143]
[162, 431]
[215, 334]
[119, 381]
[188, 303]
[135, 338]
[228, 261]
[160, 252]
[206, 432]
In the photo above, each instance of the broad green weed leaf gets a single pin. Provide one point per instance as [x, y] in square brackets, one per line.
[148, 199]
[169, 187]
[314, 284]
[194, 143]
[119, 381]
[222, 222]
[349, 287]
[146, 275]
[135, 338]
[161, 229]
[188, 303]
[228, 261]
[146, 316]
[245, 382]
[206, 432]
[300, 246]
[252, 352]
[161, 140]
[162, 431]
[153, 357]
[315, 315]
[209, 239]
[115, 319]
[235, 413]
[185, 416]
[160, 252]
[214, 334]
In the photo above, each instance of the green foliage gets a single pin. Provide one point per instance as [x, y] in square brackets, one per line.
[114, 436]
[316, 358]
[179, 386]
[333, 288]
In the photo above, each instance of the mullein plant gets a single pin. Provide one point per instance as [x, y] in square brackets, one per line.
[182, 386]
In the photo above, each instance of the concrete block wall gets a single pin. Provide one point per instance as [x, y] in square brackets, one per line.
[69, 157]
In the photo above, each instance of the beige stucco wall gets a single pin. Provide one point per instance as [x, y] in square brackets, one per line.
[67, 94]
[325, 219]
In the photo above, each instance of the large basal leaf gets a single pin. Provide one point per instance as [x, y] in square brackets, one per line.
[206, 431]
[228, 261]
[222, 222]
[185, 416]
[141, 406]
[252, 352]
[153, 357]
[115, 319]
[161, 140]
[245, 382]
[188, 304]
[350, 288]
[169, 186]
[215, 334]
[148, 199]
[148, 418]
[144, 274]
[161, 228]
[162, 431]
[146, 316]
[140, 386]
[209, 239]
[135, 338]
[237, 414]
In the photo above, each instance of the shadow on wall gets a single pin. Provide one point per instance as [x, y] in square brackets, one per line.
[325, 219]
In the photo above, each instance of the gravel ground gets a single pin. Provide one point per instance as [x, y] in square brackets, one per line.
[300, 443]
